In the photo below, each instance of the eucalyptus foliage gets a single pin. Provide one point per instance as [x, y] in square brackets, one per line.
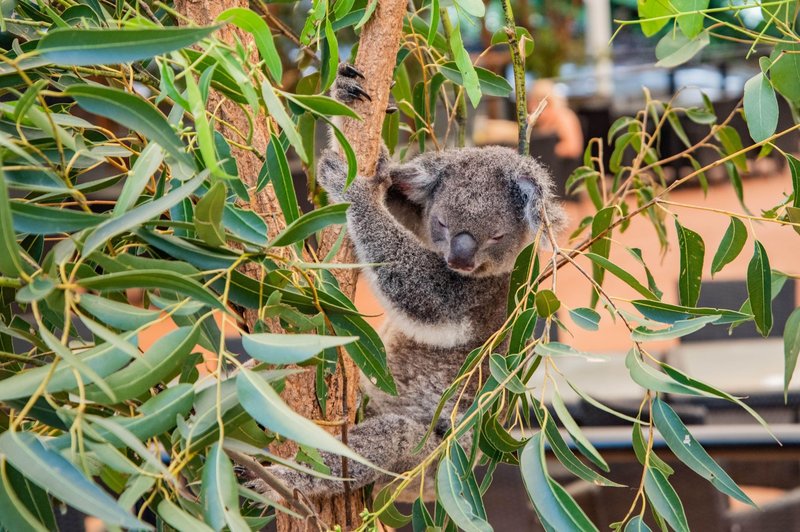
[122, 210]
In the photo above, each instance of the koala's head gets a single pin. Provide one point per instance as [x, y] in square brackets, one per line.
[479, 206]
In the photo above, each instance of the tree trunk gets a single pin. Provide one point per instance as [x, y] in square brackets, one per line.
[379, 42]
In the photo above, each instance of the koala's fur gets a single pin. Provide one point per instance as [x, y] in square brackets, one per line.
[434, 315]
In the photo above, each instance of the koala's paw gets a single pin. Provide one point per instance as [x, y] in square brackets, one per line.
[347, 88]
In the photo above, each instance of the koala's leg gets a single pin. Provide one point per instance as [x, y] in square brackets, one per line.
[387, 440]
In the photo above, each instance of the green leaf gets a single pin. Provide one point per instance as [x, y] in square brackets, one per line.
[585, 318]
[732, 143]
[602, 246]
[158, 415]
[692, 254]
[252, 23]
[581, 441]
[675, 48]
[654, 9]
[208, 215]
[69, 358]
[322, 106]
[522, 33]
[759, 289]
[103, 360]
[14, 514]
[178, 519]
[664, 499]
[10, 259]
[220, 493]
[465, 66]
[546, 303]
[89, 46]
[647, 377]
[163, 279]
[140, 214]
[472, 7]
[458, 492]
[330, 55]
[553, 504]
[690, 23]
[265, 405]
[63, 480]
[637, 524]
[701, 116]
[39, 288]
[278, 112]
[390, 516]
[490, 83]
[691, 453]
[562, 451]
[623, 275]
[289, 348]
[760, 107]
[556, 349]
[116, 314]
[368, 353]
[500, 372]
[142, 170]
[181, 249]
[160, 363]
[676, 330]
[666, 313]
[731, 245]
[246, 224]
[522, 330]
[526, 267]
[785, 71]
[791, 348]
[794, 167]
[310, 223]
[133, 112]
[38, 220]
[640, 447]
[277, 171]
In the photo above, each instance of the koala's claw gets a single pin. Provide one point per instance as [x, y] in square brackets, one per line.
[349, 71]
[347, 87]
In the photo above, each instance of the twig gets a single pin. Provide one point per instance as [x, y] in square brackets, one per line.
[519, 78]
[253, 466]
[285, 30]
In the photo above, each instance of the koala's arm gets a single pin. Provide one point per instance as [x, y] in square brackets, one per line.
[407, 275]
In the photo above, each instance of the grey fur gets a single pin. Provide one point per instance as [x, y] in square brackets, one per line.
[435, 315]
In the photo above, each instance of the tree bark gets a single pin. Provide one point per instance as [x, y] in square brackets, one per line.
[378, 48]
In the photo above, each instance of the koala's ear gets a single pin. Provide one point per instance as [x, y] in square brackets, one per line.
[538, 195]
[413, 181]
[532, 195]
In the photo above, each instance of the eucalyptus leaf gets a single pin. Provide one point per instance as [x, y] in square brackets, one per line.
[88, 46]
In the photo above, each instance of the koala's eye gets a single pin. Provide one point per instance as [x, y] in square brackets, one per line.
[496, 238]
[441, 223]
[524, 198]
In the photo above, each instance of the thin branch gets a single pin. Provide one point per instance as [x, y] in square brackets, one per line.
[254, 467]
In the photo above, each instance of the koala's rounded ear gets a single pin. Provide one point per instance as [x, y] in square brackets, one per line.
[413, 181]
[538, 196]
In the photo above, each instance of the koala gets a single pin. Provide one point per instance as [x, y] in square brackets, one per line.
[442, 278]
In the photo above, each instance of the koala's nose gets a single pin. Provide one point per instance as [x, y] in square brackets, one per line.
[462, 251]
